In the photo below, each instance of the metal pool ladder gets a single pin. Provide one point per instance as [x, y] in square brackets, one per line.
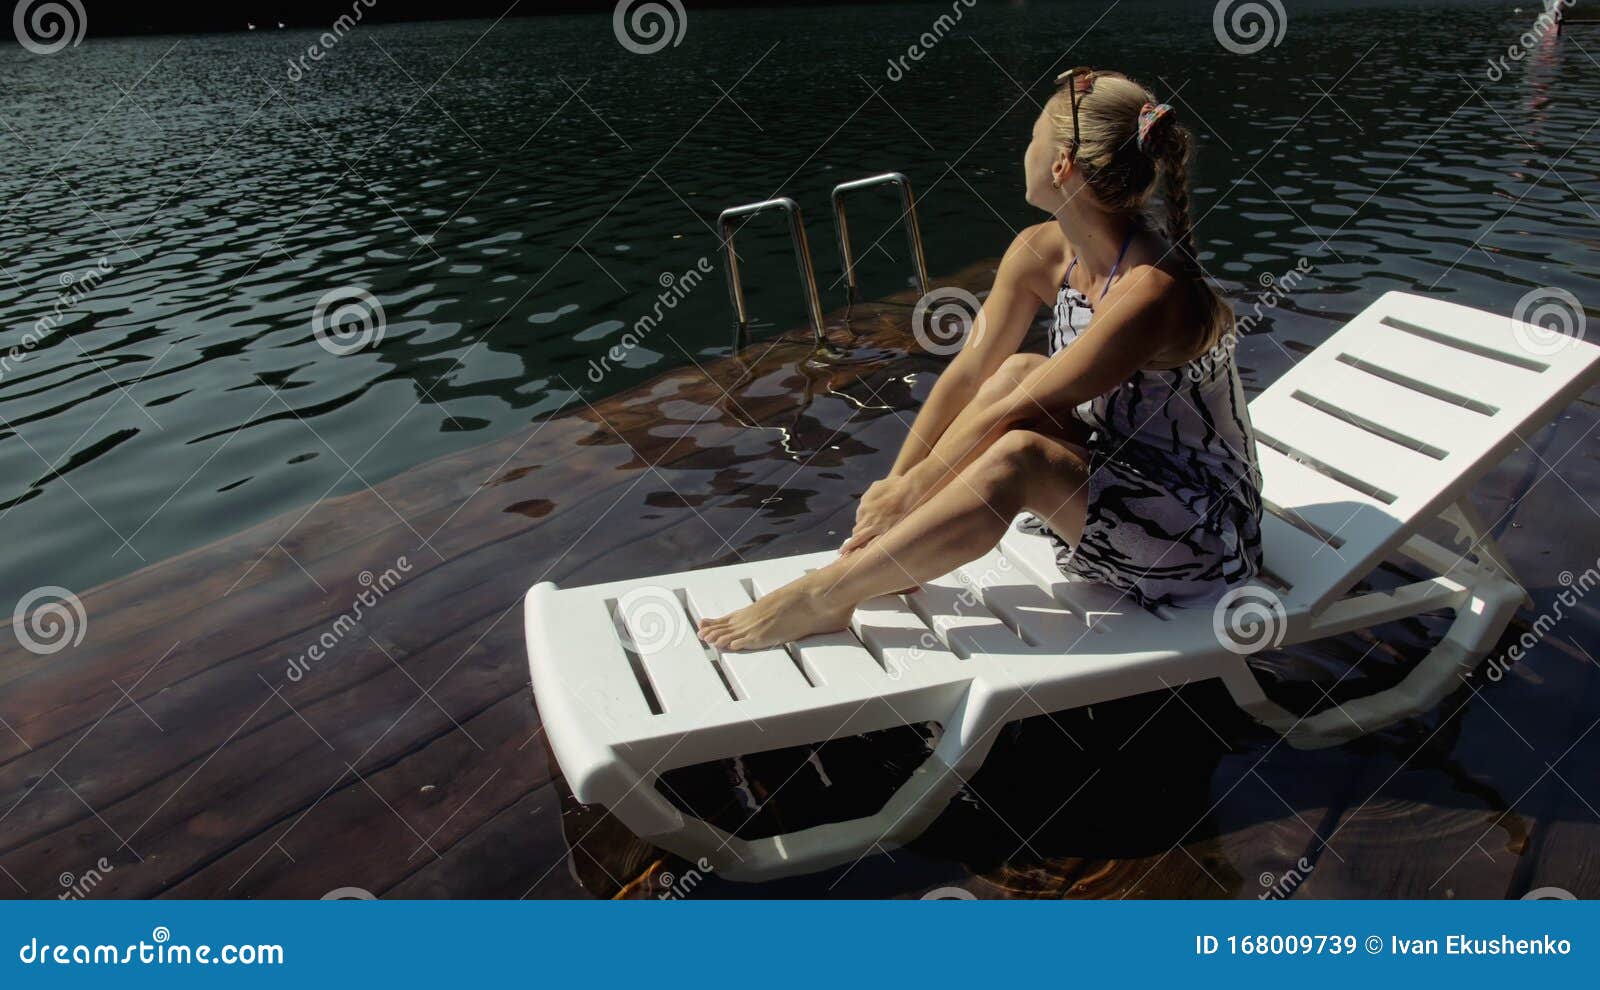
[802, 258]
[913, 229]
[802, 249]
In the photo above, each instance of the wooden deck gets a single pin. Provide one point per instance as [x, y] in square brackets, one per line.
[405, 759]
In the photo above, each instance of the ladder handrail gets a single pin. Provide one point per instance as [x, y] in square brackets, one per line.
[913, 229]
[802, 254]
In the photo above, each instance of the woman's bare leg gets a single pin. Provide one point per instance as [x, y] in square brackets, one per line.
[1024, 469]
[997, 386]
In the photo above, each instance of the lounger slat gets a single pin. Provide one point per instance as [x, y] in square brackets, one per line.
[836, 661]
[598, 676]
[1393, 474]
[1302, 561]
[675, 659]
[1091, 603]
[1478, 330]
[1427, 422]
[1012, 594]
[1436, 366]
[907, 647]
[954, 607]
[757, 674]
[1325, 503]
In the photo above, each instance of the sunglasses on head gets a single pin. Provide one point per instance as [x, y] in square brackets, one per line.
[1079, 82]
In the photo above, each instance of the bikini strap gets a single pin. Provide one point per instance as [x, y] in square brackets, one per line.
[1118, 263]
[1066, 280]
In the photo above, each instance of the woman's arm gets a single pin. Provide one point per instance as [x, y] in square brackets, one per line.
[997, 334]
[1138, 320]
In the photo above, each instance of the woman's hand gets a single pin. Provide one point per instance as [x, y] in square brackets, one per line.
[885, 503]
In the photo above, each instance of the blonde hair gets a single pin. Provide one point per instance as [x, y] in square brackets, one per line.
[1121, 168]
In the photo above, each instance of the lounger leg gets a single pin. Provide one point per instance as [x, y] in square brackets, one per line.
[959, 753]
[1463, 515]
[1479, 621]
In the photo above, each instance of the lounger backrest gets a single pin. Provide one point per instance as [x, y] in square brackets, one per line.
[1393, 419]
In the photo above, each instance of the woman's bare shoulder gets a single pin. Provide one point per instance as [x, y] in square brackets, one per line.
[1161, 292]
[1034, 260]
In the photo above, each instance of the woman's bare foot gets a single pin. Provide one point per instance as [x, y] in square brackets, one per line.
[792, 612]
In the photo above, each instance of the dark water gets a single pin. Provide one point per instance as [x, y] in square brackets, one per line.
[512, 194]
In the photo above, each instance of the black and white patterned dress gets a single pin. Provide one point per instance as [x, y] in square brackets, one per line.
[1174, 508]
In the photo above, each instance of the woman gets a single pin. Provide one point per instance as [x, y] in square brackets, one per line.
[1129, 445]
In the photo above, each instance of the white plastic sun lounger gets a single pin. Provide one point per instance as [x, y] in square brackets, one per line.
[1382, 429]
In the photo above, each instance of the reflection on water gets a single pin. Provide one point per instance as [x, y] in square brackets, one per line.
[513, 220]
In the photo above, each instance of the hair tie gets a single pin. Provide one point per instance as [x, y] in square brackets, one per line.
[1150, 115]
